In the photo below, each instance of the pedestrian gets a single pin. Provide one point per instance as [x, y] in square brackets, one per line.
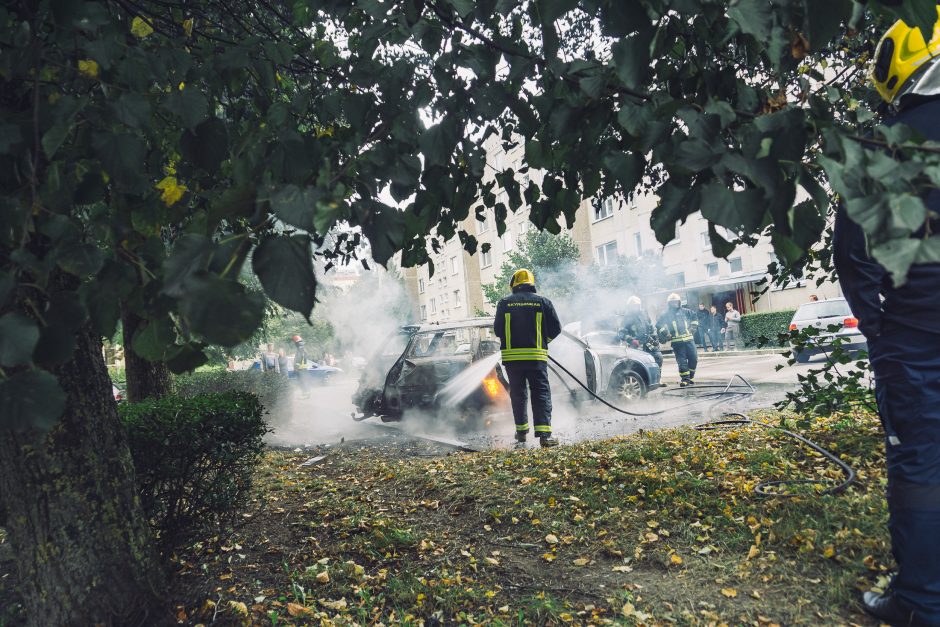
[300, 366]
[678, 326]
[637, 331]
[525, 323]
[286, 365]
[813, 298]
[702, 331]
[269, 361]
[900, 324]
[716, 329]
[732, 326]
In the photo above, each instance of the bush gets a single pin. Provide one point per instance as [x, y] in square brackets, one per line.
[764, 329]
[194, 458]
[273, 390]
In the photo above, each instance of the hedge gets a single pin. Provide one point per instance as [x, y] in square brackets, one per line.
[194, 459]
[768, 326]
[272, 389]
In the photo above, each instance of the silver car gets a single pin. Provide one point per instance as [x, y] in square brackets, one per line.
[822, 314]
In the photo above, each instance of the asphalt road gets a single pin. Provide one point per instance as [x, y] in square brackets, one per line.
[324, 418]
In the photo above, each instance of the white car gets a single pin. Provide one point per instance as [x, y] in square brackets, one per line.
[822, 314]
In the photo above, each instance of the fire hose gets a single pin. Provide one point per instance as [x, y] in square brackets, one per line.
[734, 419]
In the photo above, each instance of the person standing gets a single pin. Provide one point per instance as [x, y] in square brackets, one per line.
[716, 329]
[300, 366]
[637, 331]
[732, 326]
[525, 323]
[900, 324]
[269, 361]
[701, 332]
[677, 326]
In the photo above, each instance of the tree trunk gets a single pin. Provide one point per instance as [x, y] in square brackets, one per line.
[82, 543]
[145, 379]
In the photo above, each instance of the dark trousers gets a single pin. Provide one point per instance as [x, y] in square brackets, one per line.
[906, 363]
[699, 336]
[523, 377]
[686, 358]
[714, 336]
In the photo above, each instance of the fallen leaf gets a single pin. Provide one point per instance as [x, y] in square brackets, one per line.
[323, 577]
[622, 569]
[491, 561]
[675, 559]
[753, 552]
[729, 592]
[548, 557]
[581, 561]
[296, 609]
[551, 538]
[238, 607]
[334, 605]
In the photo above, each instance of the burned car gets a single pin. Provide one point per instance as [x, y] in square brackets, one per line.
[416, 364]
[419, 362]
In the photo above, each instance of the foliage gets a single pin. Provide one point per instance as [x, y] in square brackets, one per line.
[844, 381]
[194, 458]
[761, 329]
[550, 257]
[150, 148]
[272, 389]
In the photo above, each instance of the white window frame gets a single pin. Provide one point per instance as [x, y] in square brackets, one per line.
[507, 237]
[457, 302]
[706, 241]
[604, 210]
[424, 312]
[433, 305]
[453, 265]
[602, 253]
[486, 258]
[421, 286]
[731, 266]
[708, 270]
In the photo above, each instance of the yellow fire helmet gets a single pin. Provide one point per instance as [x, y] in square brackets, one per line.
[522, 277]
[904, 63]
[673, 297]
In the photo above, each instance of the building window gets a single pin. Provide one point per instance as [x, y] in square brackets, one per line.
[424, 312]
[674, 240]
[444, 299]
[606, 253]
[433, 305]
[486, 259]
[421, 286]
[484, 224]
[453, 265]
[638, 242]
[711, 270]
[736, 265]
[456, 298]
[604, 209]
[676, 280]
[706, 241]
[507, 240]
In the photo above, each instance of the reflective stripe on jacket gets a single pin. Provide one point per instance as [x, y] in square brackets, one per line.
[525, 323]
[679, 324]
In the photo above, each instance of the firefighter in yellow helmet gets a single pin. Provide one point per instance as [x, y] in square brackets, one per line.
[636, 330]
[900, 324]
[525, 324]
[678, 326]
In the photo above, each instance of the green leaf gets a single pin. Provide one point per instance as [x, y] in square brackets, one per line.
[695, 155]
[156, 340]
[438, 143]
[54, 137]
[30, 400]
[79, 259]
[920, 14]
[133, 110]
[190, 256]
[907, 212]
[10, 136]
[896, 256]
[284, 265]
[626, 168]
[221, 310]
[189, 104]
[206, 146]
[631, 59]
[296, 206]
[186, 358]
[737, 211]
[825, 20]
[754, 17]
[18, 338]
[121, 156]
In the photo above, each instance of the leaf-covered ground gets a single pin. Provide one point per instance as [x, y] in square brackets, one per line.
[660, 527]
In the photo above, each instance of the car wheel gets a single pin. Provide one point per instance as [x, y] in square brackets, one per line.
[627, 385]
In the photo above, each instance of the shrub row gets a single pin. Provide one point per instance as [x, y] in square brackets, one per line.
[194, 458]
[763, 329]
[273, 390]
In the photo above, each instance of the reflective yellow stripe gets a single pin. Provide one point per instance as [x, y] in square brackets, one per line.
[543, 429]
[538, 329]
[524, 428]
[508, 331]
[525, 354]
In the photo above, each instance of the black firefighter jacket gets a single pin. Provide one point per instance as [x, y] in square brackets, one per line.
[525, 323]
[677, 325]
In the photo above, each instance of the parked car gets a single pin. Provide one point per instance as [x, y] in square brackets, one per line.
[316, 372]
[416, 364]
[822, 314]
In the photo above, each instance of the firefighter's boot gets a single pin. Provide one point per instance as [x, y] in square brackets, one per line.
[547, 441]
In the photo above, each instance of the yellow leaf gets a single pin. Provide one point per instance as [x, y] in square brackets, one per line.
[628, 610]
[140, 27]
[323, 577]
[296, 609]
[188, 27]
[503, 610]
[622, 569]
[334, 605]
[675, 559]
[548, 557]
[551, 538]
[491, 560]
[581, 561]
[753, 552]
[829, 552]
[238, 607]
[88, 67]
[729, 592]
[171, 190]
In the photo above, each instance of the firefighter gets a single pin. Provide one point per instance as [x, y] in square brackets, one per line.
[525, 324]
[678, 326]
[638, 332]
[900, 324]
